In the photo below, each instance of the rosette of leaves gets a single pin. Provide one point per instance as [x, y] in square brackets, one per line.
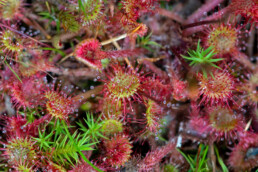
[202, 60]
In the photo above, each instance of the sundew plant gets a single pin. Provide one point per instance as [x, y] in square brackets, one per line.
[128, 85]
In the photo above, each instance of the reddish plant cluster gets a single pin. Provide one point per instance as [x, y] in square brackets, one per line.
[248, 8]
[158, 80]
[118, 150]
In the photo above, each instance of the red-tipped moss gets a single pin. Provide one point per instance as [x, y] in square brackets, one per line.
[179, 90]
[91, 11]
[199, 125]
[219, 124]
[250, 88]
[138, 29]
[111, 109]
[133, 9]
[19, 126]
[89, 52]
[157, 89]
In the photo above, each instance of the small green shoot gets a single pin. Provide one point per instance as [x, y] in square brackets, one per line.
[81, 7]
[78, 149]
[63, 147]
[17, 76]
[58, 128]
[30, 114]
[93, 129]
[202, 59]
[44, 140]
[199, 161]
[54, 49]
[51, 17]
[145, 42]
[223, 166]
[68, 149]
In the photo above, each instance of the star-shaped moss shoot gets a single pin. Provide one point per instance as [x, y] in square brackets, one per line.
[202, 60]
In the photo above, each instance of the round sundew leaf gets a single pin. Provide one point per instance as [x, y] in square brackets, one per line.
[59, 106]
[10, 42]
[216, 89]
[223, 120]
[222, 38]
[89, 52]
[9, 9]
[123, 85]
[118, 150]
[111, 127]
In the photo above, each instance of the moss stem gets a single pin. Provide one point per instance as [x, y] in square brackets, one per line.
[82, 155]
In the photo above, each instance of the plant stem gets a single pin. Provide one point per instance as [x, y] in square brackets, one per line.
[119, 48]
[82, 155]
[244, 59]
[170, 15]
[154, 68]
[153, 60]
[80, 72]
[114, 39]
[41, 29]
[198, 158]
[119, 37]
[202, 10]
[17, 76]
[199, 26]
[213, 157]
[14, 30]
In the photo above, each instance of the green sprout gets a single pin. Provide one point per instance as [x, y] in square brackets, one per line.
[58, 128]
[17, 76]
[51, 16]
[145, 42]
[202, 59]
[44, 140]
[199, 162]
[64, 147]
[93, 129]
